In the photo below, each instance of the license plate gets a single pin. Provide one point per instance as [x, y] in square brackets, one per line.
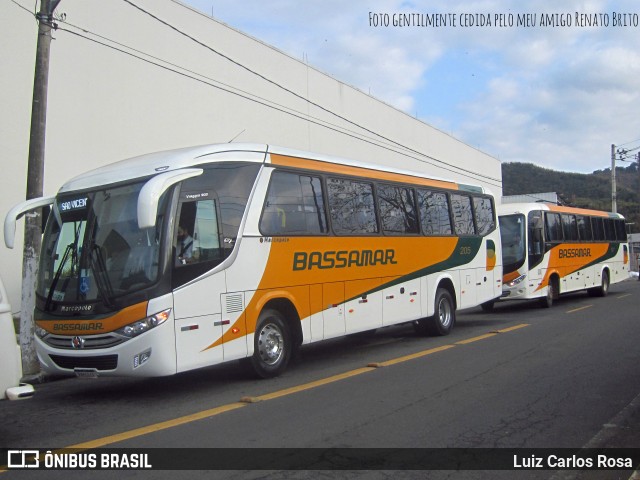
[86, 373]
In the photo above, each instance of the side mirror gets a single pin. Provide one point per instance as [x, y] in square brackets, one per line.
[18, 211]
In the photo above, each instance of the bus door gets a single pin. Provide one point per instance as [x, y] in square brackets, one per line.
[536, 249]
[199, 320]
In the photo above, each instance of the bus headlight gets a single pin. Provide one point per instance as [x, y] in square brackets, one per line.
[516, 281]
[41, 332]
[136, 328]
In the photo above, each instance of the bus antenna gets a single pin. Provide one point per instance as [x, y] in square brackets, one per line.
[237, 135]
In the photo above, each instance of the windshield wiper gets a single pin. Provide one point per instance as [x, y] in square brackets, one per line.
[56, 277]
[103, 283]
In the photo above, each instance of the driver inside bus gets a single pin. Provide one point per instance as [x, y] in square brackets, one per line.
[184, 246]
[513, 249]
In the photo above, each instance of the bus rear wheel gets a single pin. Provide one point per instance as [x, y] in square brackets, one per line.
[272, 345]
[603, 289]
[443, 319]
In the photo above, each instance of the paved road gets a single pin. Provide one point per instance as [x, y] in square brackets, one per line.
[520, 377]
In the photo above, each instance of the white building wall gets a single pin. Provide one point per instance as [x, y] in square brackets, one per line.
[105, 105]
[551, 197]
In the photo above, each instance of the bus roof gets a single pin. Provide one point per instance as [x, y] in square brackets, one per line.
[159, 162]
[512, 208]
[155, 163]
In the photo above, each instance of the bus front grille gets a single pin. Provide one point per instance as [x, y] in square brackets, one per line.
[89, 341]
[100, 362]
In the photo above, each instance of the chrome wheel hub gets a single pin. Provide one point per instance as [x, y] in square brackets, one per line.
[270, 344]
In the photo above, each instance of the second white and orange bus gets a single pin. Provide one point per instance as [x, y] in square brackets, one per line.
[188, 258]
[548, 250]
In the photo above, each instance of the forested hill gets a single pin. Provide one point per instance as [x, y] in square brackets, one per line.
[591, 190]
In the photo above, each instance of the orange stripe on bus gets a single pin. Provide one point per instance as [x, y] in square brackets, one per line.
[510, 276]
[568, 265]
[578, 211]
[328, 167]
[409, 255]
[67, 326]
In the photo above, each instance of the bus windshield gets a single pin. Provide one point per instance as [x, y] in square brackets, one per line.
[512, 235]
[94, 251]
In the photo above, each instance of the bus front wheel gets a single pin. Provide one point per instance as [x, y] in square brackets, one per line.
[272, 345]
[552, 293]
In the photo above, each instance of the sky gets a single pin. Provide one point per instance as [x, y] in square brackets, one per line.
[556, 92]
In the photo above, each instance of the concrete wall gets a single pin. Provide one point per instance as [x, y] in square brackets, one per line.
[105, 105]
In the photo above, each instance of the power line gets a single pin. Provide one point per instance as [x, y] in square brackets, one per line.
[24, 8]
[179, 70]
[624, 154]
[224, 87]
[246, 97]
[632, 141]
[457, 169]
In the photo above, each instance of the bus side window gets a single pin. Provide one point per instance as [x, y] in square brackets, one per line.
[598, 228]
[609, 229]
[462, 214]
[434, 212]
[352, 208]
[294, 206]
[584, 228]
[621, 230]
[397, 210]
[485, 218]
[570, 227]
[553, 227]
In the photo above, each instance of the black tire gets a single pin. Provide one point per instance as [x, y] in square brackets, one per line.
[603, 289]
[552, 293]
[272, 345]
[443, 319]
[488, 306]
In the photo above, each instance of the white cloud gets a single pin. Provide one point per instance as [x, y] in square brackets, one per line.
[554, 96]
[570, 112]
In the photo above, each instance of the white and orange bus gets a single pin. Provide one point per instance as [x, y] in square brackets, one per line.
[548, 250]
[183, 259]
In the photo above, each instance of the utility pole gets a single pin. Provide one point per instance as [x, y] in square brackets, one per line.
[614, 202]
[35, 181]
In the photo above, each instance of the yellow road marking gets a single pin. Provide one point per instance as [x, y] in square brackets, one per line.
[625, 295]
[413, 356]
[578, 309]
[475, 339]
[511, 329]
[137, 432]
[307, 386]
[156, 427]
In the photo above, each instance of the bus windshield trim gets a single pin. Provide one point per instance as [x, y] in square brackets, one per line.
[151, 192]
